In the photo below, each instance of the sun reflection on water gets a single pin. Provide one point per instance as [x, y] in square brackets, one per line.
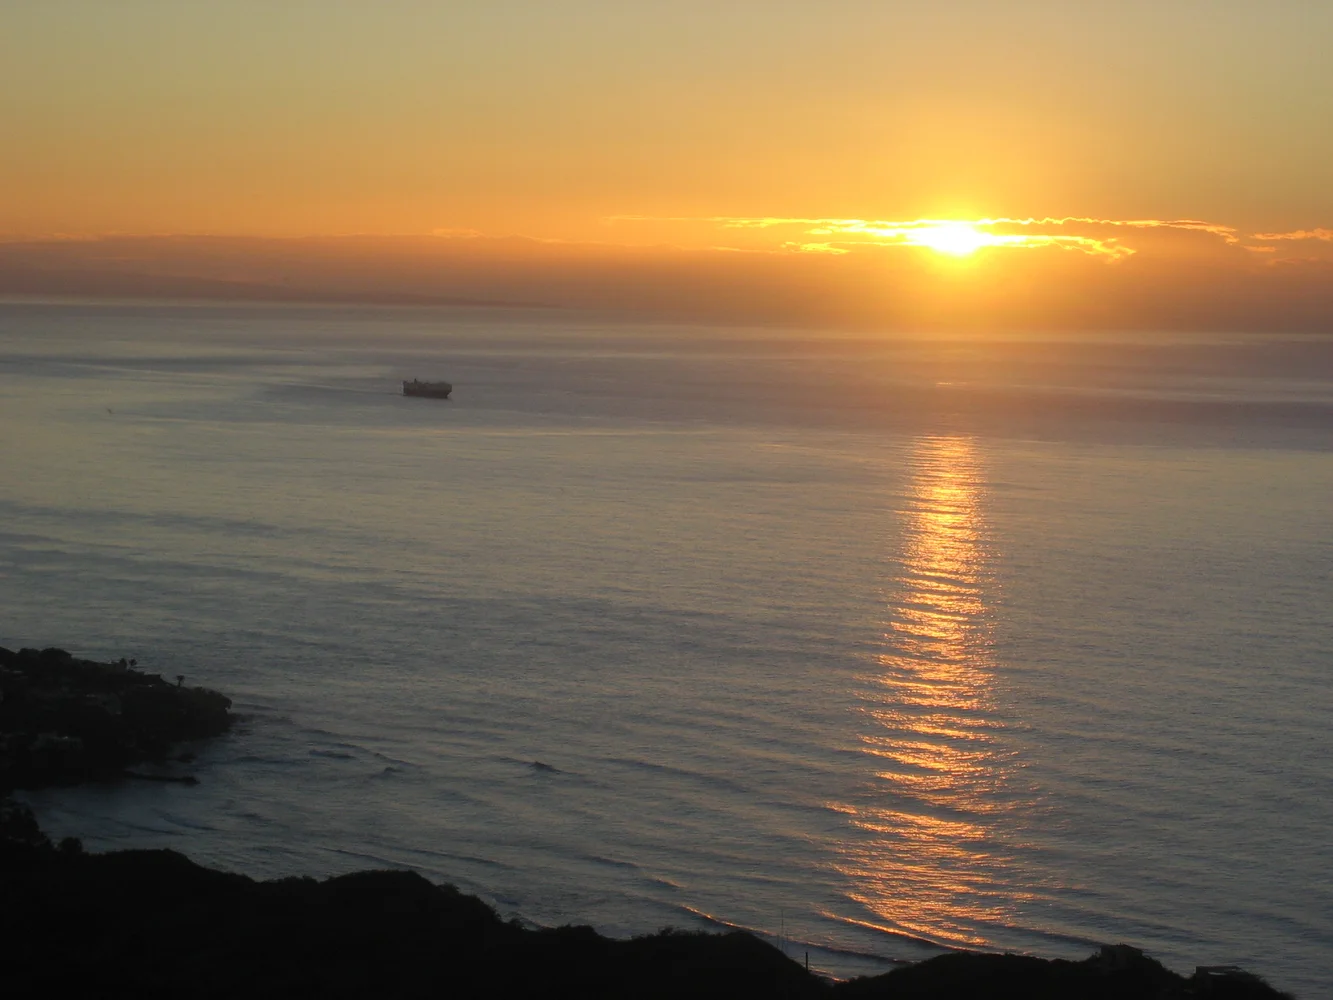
[922, 859]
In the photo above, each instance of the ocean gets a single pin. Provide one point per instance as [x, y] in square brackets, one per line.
[874, 645]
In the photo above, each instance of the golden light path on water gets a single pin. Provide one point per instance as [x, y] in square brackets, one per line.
[924, 863]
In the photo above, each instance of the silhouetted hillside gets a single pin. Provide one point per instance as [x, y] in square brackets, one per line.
[154, 924]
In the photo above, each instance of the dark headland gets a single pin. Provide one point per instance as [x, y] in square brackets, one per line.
[155, 924]
[64, 721]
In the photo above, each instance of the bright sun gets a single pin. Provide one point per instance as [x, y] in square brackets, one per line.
[956, 238]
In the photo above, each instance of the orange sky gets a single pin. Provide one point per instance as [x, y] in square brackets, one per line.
[691, 126]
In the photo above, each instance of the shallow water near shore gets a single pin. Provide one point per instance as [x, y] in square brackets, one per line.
[874, 646]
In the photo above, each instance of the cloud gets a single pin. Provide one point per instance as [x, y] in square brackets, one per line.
[863, 274]
[1300, 234]
[829, 248]
[1226, 233]
[1095, 237]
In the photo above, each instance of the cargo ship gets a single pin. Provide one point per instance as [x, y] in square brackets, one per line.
[431, 390]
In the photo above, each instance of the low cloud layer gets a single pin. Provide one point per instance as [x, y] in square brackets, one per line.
[1003, 274]
[1325, 235]
[1110, 239]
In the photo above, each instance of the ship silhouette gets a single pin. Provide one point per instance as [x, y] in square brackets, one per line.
[431, 390]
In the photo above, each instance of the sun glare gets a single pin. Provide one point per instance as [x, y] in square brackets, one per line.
[955, 238]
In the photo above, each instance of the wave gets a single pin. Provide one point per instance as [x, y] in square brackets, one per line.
[785, 941]
[893, 932]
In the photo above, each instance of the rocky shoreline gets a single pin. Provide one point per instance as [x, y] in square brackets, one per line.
[153, 923]
[64, 720]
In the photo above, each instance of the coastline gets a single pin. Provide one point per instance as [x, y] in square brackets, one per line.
[65, 720]
[156, 923]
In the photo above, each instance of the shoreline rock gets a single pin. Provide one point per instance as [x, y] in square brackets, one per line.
[154, 923]
[64, 720]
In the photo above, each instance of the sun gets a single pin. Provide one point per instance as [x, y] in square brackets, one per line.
[955, 238]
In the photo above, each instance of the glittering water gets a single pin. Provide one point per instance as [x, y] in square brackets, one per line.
[927, 861]
[875, 645]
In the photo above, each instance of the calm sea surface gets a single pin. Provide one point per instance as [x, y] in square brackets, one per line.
[871, 645]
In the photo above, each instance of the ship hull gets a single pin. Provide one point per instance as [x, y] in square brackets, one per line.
[427, 390]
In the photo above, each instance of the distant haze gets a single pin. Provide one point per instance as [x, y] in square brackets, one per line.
[876, 288]
[598, 154]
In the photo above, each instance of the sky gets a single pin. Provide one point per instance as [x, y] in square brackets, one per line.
[553, 150]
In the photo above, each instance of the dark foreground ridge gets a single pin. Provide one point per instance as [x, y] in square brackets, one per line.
[64, 720]
[154, 924]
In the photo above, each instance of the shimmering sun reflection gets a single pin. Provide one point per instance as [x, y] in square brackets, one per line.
[920, 858]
